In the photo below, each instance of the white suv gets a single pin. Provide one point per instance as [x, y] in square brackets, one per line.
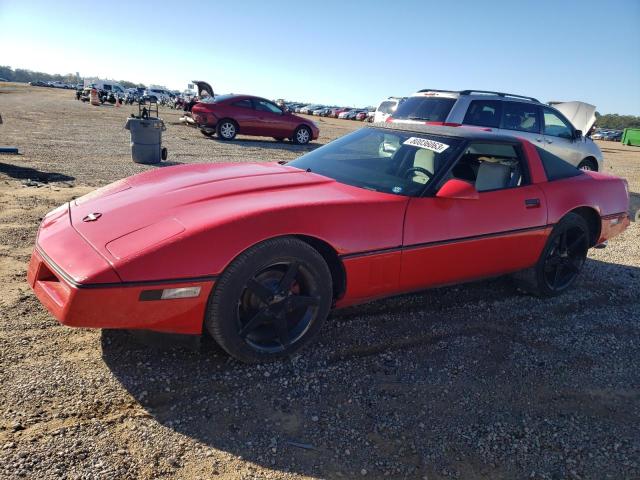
[387, 108]
[544, 126]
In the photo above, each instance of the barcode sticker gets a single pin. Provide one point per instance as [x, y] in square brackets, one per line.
[428, 144]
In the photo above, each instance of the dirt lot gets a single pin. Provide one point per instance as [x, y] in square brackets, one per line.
[476, 381]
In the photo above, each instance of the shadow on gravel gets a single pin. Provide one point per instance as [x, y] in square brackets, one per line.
[24, 173]
[169, 163]
[634, 206]
[439, 358]
[270, 144]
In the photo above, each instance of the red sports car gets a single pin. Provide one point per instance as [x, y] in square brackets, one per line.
[229, 115]
[257, 254]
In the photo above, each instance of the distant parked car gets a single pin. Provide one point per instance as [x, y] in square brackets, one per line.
[156, 94]
[345, 112]
[548, 127]
[308, 110]
[354, 113]
[613, 136]
[228, 115]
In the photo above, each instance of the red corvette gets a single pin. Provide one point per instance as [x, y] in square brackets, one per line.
[228, 115]
[257, 254]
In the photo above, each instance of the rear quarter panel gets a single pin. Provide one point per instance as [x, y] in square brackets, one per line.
[606, 194]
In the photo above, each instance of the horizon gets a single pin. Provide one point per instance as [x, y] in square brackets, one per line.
[537, 50]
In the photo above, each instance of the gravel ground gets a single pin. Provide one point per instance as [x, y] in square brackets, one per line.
[474, 381]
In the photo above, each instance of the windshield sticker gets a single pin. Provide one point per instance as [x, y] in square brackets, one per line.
[396, 189]
[428, 144]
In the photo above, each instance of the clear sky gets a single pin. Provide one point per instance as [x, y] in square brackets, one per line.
[340, 52]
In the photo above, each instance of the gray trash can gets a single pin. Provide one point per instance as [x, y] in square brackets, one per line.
[146, 139]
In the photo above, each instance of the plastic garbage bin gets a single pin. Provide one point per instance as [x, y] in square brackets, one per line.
[146, 139]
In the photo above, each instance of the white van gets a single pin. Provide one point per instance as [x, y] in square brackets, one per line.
[105, 85]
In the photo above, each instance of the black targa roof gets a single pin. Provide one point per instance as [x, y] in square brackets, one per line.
[458, 132]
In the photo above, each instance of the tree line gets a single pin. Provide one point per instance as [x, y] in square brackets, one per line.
[26, 76]
[614, 121]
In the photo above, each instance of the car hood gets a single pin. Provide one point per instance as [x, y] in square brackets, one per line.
[581, 115]
[125, 217]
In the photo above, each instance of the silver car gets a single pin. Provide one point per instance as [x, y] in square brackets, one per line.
[559, 129]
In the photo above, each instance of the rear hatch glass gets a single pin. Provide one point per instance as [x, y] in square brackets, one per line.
[425, 109]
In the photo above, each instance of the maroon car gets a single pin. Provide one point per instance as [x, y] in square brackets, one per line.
[228, 115]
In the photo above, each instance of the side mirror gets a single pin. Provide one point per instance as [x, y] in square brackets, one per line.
[458, 189]
[577, 134]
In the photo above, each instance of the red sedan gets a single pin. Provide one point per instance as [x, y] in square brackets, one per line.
[229, 115]
[258, 254]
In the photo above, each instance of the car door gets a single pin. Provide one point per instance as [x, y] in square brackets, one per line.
[559, 137]
[450, 240]
[270, 120]
[243, 113]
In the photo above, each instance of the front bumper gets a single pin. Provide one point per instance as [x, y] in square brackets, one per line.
[81, 288]
[115, 305]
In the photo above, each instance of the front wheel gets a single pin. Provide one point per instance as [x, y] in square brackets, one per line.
[302, 135]
[227, 130]
[270, 301]
[561, 260]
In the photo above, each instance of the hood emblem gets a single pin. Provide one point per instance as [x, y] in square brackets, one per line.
[92, 217]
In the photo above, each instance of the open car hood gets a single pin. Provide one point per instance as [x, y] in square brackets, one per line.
[581, 115]
[204, 89]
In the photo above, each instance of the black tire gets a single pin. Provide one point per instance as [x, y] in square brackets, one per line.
[561, 260]
[227, 129]
[588, 164]
[302, 135]
[164, 153]
[271, 300]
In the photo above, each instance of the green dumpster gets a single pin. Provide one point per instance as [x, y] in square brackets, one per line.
[631, 136]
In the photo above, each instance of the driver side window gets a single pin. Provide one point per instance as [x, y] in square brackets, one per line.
[555, 126]
[264, 106]
[491, 167]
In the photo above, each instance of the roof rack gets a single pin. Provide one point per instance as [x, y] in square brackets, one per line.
[500, 94]
[434, 90]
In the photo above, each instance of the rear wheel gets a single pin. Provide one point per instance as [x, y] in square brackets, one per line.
[561, 260]
[227, 130]
[270, 301]
[589, 165]
[302, 135]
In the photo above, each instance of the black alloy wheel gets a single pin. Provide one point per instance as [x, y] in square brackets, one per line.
[270, 301]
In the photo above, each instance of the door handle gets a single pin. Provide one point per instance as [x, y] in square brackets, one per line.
[532, 203]
[538, 139]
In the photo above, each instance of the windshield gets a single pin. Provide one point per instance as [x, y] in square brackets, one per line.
[428, 109]
[389, 161]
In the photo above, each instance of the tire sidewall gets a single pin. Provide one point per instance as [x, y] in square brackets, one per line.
[220, 319]
[570, 220]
